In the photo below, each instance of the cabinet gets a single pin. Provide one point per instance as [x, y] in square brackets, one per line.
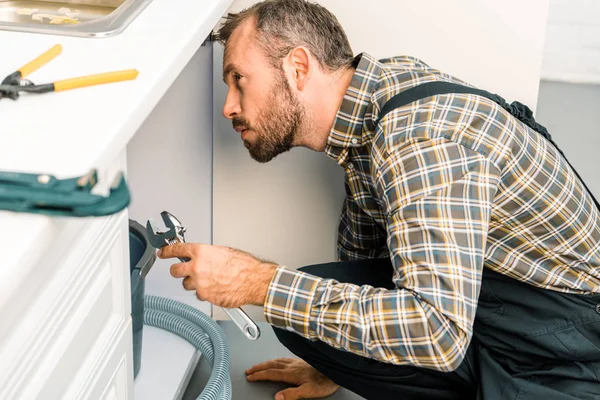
[66, 325]
[66, 331]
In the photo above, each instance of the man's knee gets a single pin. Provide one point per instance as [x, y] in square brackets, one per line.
[288, 339]
[298, 345]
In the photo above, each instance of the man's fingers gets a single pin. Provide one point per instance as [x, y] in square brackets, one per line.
[183, 250]
[188, 284]
[275, 375]
[181, 270]
[199, 296]
[302, 392]
[276, 363]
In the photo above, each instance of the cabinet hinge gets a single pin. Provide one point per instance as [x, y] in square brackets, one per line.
[209, 38]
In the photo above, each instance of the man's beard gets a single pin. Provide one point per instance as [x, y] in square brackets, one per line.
[277, 123]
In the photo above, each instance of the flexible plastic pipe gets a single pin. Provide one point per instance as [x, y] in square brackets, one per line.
[202, 332]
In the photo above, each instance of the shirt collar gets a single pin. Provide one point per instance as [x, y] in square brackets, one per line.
[347, 130]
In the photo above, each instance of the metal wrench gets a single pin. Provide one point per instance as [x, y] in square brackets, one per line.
[174, 234]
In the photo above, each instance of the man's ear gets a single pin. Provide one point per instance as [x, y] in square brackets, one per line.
[301, 66]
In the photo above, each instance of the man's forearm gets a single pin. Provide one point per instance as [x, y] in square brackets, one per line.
[258, 283]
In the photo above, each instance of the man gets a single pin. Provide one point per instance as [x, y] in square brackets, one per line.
[470, 249]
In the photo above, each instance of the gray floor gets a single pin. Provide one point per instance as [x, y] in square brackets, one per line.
[571, 113]
[245, 354]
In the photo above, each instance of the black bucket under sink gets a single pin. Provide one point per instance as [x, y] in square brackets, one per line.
[141, 258]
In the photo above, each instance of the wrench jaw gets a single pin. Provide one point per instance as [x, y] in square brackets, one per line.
[160, 239]
[156, 238]
[170, 220]
[175, 227]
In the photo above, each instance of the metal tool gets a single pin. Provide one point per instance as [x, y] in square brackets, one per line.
[44, 194]
[14, 84]
[176, 233]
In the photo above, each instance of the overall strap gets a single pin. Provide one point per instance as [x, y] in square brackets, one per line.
[516, 109]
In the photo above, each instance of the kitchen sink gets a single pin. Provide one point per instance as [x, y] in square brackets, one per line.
[83, 18]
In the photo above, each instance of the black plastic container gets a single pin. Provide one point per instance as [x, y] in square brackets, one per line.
[141, 258]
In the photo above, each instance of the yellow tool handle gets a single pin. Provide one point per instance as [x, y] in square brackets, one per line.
[40, 61]
[97, 79]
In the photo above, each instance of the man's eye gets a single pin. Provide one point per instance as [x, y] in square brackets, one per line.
[237, 77]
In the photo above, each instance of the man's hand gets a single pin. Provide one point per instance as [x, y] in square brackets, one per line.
[221, 275]
[311, 384]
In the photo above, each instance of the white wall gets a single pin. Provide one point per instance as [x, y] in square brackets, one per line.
[570, 112]
[572, 51]
[288, 210]
[495, 45]
[169, 163]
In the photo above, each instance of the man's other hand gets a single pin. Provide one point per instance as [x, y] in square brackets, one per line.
[310, 383]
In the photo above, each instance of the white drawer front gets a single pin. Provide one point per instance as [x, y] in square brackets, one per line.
[74, 320]
[112, 375]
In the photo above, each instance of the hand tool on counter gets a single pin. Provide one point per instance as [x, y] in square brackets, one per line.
[45, 194]
[175, 233]
[14, 84]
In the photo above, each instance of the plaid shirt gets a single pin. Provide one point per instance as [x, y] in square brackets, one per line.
[444, 186]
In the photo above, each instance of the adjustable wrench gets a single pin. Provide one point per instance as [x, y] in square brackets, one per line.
[174, 234]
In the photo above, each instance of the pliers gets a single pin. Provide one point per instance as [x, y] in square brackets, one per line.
[14, 84]
[174, 234]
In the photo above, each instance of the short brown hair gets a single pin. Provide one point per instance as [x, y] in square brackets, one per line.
[282, 25]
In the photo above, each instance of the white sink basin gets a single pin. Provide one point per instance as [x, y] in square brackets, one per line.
[84, 18]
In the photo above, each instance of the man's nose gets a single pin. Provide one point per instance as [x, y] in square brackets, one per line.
[231, 108]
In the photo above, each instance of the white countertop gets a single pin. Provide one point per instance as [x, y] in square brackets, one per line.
[67, 133]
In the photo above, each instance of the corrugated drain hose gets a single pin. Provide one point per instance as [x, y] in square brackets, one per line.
[201, 331]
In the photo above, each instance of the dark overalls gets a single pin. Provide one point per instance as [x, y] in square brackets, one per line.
[528, 343]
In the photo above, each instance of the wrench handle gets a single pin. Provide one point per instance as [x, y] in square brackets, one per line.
[244, 322]
[239, 317]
